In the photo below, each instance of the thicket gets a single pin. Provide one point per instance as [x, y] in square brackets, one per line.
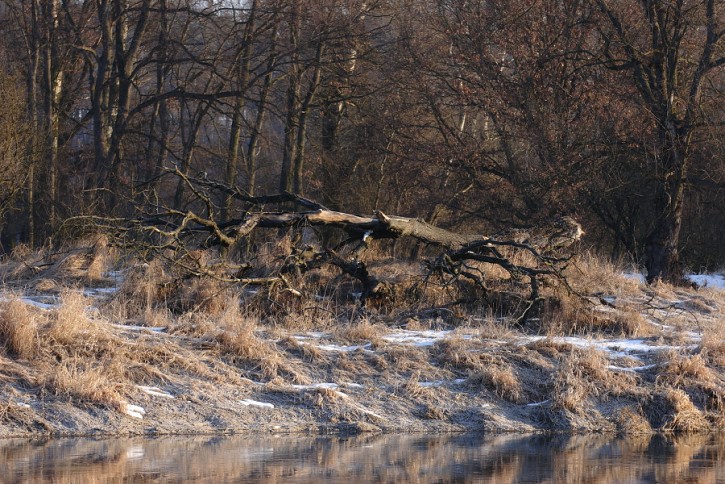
[471, 115]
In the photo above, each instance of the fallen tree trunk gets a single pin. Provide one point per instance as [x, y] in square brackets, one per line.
[170, 231]
[560, 233]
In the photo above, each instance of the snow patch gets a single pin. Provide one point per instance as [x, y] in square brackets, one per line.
[345, 349]
[37, 301]
[253, 403]
[328, 386]
[134, 411]
[311, 335]
[438, 383]
[716, 281]
[420, 338]
[352, 385]
[635, 276]
[632, 369]
[99, 291]
[133, 327]
[315, 386]
[615, 348]
[155, 391]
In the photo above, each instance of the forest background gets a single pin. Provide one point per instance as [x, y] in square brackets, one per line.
[472, 115]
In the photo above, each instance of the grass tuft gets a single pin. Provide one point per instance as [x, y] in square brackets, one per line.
[18, 329]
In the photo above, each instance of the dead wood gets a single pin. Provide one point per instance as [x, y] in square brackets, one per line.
[529, 256]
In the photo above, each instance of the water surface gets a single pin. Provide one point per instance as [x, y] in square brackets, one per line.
[367, 458]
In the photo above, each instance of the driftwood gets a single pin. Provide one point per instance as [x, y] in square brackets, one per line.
[184, 231]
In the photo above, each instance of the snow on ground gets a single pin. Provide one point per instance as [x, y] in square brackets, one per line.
[420, 338]
[253, 403]
[635, 276]
[633, 369]
[42, 302]
[315, 386]
[344, 349]
[133, 327]
[615, 348]
[133, 410]
[440, 383]
[99, 291]
[154, 391]
[716, 281]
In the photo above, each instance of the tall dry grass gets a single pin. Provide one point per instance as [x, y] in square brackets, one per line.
[237, 337]
[592, 273]
[71, 323]
[500, 376]
[84, 382]
[18, 329]
[671, 410]
[583, 377]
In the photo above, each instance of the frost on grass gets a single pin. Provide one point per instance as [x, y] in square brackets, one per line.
[442, 365]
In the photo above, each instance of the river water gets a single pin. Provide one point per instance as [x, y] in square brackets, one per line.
[367, 458]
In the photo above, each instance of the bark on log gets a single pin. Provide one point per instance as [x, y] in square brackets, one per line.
[563, 232]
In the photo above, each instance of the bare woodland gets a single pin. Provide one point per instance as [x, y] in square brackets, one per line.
[462, 124]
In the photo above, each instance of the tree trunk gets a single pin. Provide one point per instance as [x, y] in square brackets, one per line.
[662, 245]
[299, 157]
[242, 78]
[293, 102]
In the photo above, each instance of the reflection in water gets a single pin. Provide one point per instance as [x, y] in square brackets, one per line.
[367, 458]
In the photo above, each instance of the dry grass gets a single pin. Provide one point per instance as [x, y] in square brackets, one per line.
[455, 352]
[713, 346]
[500, 377]
[147, 286]
[72, 356]
[220, 333]
[103, 258]
[592, 274]
[568, 314]
[679, 370]
[583, 376]
[237, 337]
[491, 327]
[83, 383]
[414, 389]
[677, 412]
[401, 359]
[631, 421]
[308, 352]
[361, 332]
[202, 294]
[70, 323]
[550, 348]
[18, 329]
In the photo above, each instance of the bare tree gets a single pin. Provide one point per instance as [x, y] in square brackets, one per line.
[671, 50]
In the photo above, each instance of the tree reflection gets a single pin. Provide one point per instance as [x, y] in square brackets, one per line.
[368, 458]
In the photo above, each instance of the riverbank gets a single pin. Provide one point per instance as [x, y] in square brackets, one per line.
[95, 344]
